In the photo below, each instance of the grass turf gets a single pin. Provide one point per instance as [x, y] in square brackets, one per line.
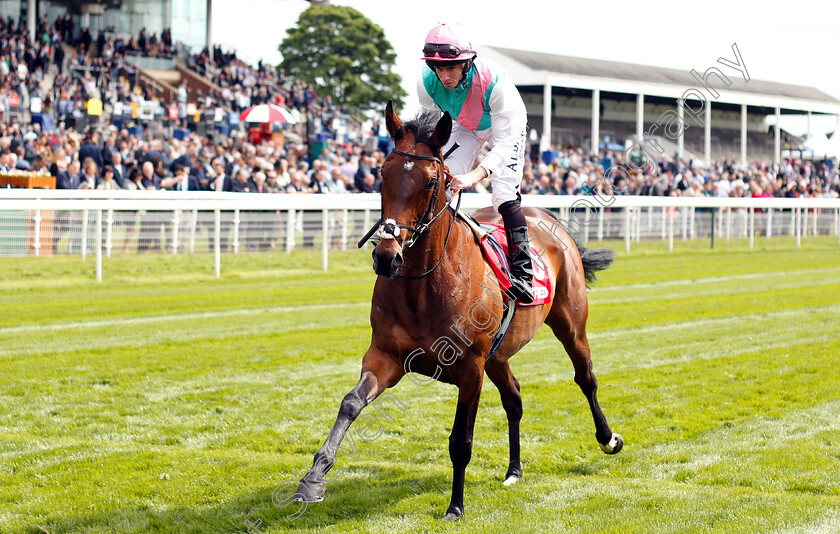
[165, 400]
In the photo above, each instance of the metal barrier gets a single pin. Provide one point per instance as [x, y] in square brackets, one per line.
[150, 62]
[37, 222]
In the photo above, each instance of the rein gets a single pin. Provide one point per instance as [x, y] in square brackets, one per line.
[446, 241]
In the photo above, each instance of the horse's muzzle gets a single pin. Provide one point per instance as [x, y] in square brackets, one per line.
[387, 258]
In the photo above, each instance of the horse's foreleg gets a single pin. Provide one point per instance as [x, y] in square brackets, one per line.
[460, 441]
[375, 379]
[502, 377]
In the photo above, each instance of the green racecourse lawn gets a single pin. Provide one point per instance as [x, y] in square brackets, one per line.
[165, 400]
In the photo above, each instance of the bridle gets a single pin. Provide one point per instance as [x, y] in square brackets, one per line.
[387, 228]
[419, 226]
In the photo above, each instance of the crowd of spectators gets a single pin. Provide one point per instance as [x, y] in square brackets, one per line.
[243, 86]
[276, 166]
[92, 71]
[117, 159]
[23, 62]
[108, 157]
[574, 173]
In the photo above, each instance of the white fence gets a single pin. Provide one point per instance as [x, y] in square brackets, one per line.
[45, 222]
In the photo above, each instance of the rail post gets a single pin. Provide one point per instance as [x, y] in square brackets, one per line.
[627, 228]
[217, 246]
[109, 233]
[325, 243]
[99, 245]
[83, 240]
[290, 232]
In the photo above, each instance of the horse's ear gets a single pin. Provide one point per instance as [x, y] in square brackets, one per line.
[392, 122]
[442, 130]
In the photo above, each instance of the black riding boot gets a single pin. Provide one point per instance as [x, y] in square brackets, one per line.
[521, 269]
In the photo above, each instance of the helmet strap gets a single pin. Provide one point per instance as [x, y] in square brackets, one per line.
[467, 67]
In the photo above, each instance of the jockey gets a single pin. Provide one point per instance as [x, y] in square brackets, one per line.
[486, 107]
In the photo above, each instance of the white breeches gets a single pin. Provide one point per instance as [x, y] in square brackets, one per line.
[505, 184]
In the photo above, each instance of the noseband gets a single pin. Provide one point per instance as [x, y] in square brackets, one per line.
[389, 227]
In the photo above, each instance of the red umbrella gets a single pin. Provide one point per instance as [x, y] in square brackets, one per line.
[267, 113]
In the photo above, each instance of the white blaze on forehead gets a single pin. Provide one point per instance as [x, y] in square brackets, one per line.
[409, 165]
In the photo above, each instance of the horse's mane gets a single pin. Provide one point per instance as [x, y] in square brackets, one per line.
[423, 126]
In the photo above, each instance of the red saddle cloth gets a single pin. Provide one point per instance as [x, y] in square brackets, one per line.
[498, 260]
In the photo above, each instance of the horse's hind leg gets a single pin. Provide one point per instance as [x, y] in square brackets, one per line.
[378, 373]
[502, 377]
[573, 337]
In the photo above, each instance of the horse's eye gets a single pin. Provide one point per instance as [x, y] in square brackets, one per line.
[430, 185]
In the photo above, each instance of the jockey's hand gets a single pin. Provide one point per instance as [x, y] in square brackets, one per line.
[465, 181]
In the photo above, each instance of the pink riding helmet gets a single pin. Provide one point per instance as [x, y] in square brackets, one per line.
[443, 44]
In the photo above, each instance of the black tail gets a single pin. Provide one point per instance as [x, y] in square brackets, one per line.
[593, 260]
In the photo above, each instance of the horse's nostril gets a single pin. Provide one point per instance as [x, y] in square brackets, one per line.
[397, 263]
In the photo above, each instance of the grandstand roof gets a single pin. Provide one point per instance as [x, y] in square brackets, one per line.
[538, 68]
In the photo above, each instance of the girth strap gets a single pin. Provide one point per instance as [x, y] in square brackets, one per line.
[510, 310]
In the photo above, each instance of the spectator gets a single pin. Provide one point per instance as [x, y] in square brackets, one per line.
[58, 55]
[148, 179]
[39, 164]
[365, 168]
[298, 183]
[271, 183]
[108, 181]
[90, 149]
[321, 182]
[220, 181]
[258, 180]
[70, 178]
[338, 181]
[6, 161]
[11, 158]
[181, 181]
[242, 183]
[90, 176]
[118, 168]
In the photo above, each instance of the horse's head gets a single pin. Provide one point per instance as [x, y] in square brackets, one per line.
[413, 187]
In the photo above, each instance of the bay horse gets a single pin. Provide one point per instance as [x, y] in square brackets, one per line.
[431, 294]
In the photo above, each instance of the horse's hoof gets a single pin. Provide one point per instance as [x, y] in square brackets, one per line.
[452, 514]
[614, 446]
[514, 473]
[310, 491]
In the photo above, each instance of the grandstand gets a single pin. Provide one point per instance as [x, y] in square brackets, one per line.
[601, 99]
[189, 20]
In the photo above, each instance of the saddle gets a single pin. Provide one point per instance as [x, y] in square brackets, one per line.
[493, 242]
